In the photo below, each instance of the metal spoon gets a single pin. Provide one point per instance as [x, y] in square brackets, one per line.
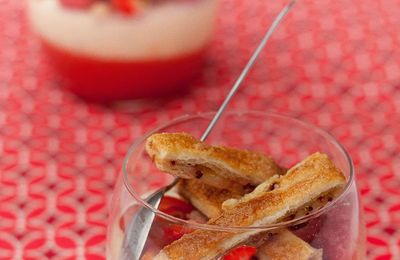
[139, 228]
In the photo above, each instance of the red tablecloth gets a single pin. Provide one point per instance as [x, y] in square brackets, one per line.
[335, 63]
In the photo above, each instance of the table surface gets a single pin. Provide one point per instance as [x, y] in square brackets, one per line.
[334, 63]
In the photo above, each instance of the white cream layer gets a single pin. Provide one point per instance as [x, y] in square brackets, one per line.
[160, 32]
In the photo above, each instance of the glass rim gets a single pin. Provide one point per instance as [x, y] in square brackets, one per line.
[330, 137]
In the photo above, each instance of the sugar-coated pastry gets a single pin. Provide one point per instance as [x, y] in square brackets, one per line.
[285, 246]
[183, 156]
[311, 179]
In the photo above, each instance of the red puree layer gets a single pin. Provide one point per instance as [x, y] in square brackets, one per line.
[107, 80]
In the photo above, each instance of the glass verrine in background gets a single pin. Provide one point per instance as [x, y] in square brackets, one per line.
[124, 49]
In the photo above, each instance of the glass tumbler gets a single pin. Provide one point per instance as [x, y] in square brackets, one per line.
[106, 51]
[337, 228]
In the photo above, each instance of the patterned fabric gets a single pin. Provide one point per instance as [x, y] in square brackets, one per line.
[334, 63]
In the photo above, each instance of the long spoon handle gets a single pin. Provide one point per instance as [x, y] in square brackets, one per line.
[139, 228]
[247, 68]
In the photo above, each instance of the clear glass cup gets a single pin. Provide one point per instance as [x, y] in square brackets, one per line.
[337, 228]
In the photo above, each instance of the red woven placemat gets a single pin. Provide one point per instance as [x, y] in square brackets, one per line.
[334, 63]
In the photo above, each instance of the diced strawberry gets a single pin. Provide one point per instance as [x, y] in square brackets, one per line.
[163, 233]
[175, 207]
[77, 4]
[175, 232]
[172, 206]
[124, 6]
[241, 253]
[156, 239]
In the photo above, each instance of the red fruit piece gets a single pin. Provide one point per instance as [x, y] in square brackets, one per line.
[175, 207]
[170, 205]
[124, 6]
[241, 253]
[175, 232]
[77, 4]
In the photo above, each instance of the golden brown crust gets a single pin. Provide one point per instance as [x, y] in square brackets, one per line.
[281, 246]
[205, 198]
[285, 245]
[182, 155]
[302, 184]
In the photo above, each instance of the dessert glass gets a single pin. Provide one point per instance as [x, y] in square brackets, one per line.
[103, 54]
[337, 228]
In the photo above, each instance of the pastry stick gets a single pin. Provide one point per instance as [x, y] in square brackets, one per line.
[280, 246]
[313, 177]
[207, 199]
[183, 156]
[285, 245]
